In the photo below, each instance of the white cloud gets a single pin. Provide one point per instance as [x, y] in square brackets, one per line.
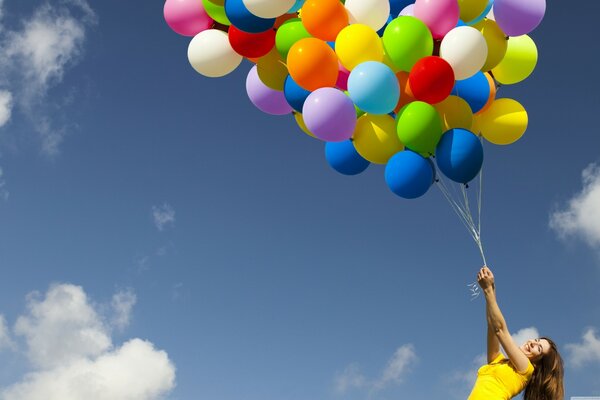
[163, 215]
[122, 304]
[588, 351]
[6, 104]
[581, 216]
[5, 341]
[73, 357]
[394, 372]
[524, 335]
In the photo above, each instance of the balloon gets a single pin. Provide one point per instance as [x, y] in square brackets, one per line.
[300, 121]
[294, 94]
[483, 15]
[211, 54]
[504, 122]
[330, 115]
[475, 90]
[408, 11]
[496, 42]
[439, 15]
[465, 49]
[493, 90]
[342, 157]
[419, 127]
[297, 6]
[289, 33]
[409, 175]
[356, 44]
[272, 70]
[406, 94]
[264, 98]
[216, 11]
[251, 45]
[374, 88]
[396, 6]
[459, 155]
[343, 75]
[406, 41]
[244, 20]
[375, 138]
[324, 19]
[186, 17]
[431, 79]
[519, 62]
[374, 13]
[518, 17]
[455, 113]
[269, 8]
[471, 9]
[312, 64]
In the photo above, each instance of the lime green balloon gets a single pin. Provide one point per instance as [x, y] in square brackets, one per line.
[419, 127]
[406, 40]
[519, 61]
[216, 11]
[289, 33]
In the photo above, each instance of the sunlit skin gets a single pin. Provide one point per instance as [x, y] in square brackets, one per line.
[534, 349]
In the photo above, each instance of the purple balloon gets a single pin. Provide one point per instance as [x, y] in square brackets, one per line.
[263, 97]
[519, 17]
[330, 115]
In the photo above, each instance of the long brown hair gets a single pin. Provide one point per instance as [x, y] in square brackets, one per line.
[546, 383]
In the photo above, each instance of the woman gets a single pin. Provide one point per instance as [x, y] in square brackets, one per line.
[535, 367]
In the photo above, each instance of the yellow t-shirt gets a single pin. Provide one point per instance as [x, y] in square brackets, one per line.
[499, 380]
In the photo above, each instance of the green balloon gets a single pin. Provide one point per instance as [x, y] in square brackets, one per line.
[216, 12]
[406, 40]
[289, 33]
[419, 127]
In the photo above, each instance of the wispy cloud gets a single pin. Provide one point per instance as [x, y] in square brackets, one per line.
[35, 58]
[72, 356]
[163, 216]
[122, 303]
[399, 365]
[587, 351]
[6, 105]
[5, 340]
[581, 215]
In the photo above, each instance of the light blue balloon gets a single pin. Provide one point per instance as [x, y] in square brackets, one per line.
[459, 155]
[374, 88]
[343, 157]
[409, 175]
[296, 7]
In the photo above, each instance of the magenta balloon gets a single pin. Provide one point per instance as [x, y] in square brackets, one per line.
[329, 115]
[519, 17]
[263, 97]
[343, 75]
[187, 17]
[440, 16]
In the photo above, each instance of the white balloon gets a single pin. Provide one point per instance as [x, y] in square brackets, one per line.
[491, 14]
[466, 51]
[211, 54]
[373, 13]
[408, 11]
[269, 8]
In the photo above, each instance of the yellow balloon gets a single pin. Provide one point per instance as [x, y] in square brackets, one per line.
[471, 9]
[519, 62]
[356, 44]
[300, 121]
[375, 138]
[455, 112]
[496, 40]
[504, 122]
[272, 71]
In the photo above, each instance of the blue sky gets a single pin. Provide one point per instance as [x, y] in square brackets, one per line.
[210, 248]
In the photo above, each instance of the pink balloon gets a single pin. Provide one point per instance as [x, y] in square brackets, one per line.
[187, 17]
[441, 16]
[344, 74]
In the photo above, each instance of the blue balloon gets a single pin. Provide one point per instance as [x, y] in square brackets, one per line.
[459, 155]
[241, 18]
[460, 23]
[409, 175]
[475, 90]
[296, 7]
[332, 45]
[294, 94]
[343, 157]
[398, 5]
[374, 87]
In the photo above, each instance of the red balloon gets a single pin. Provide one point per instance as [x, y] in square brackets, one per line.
[251, 45]
[431, 79]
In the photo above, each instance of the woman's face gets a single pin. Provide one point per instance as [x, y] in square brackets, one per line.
[534, 349]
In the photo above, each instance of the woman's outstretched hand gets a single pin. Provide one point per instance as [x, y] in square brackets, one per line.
[485, 278]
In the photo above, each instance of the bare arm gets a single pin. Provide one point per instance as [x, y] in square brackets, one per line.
[497, 323]
[493, 345]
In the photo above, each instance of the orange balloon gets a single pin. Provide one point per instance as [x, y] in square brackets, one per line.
[492, 97]
[406, 95]
[312, 64]
[324, 19]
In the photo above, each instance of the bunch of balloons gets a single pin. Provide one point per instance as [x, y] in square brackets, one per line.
[393, 82]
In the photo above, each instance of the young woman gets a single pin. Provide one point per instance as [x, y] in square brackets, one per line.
[535, 367]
